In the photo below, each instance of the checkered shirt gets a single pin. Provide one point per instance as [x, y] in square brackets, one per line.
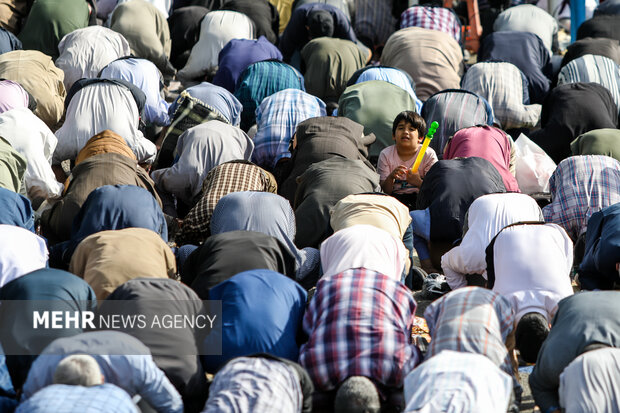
[593, 69]
[277, 118]
[222, 180]
[433, 18]
[471, 320]
[374, 20]
[254, 384]
[580, 186]
[64, 398]
[505, 88]
[263, 79]
[359, 323]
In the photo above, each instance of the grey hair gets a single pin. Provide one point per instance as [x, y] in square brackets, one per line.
[357, 394]
[78, 370]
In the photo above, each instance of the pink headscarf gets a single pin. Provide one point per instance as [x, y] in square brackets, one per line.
[12, 96]
[485, 142]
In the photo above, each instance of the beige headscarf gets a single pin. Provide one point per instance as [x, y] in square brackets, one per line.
[107, 259]
[105, 142]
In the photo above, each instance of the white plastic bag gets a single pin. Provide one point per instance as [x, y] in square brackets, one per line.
[533, 166]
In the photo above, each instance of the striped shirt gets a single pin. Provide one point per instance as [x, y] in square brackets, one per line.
[593, 69]
[277, 118]
[580, 186]
[359, 323]
[505, 88]
[434, 18]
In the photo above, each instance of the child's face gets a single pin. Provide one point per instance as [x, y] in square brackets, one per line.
[406, 136]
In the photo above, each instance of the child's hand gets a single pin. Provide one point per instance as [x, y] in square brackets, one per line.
[414, 179]
[400, 172]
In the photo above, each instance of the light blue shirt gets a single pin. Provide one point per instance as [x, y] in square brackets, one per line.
[61, 398]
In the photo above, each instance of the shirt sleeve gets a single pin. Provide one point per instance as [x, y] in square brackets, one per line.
[383, 166]
[155, 388]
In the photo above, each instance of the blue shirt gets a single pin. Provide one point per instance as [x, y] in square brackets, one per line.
[62, 398]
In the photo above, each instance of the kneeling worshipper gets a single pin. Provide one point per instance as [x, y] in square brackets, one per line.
[184, 25]
[486, 216]
[505, 88]
[454, 110]
[16, 210]
[600, 46]
[474, 320]
[277, 118]
[38, 75]
[94, 105]
[362, 292]
[532, 19]
[278, 384]
[590, 383]
[31, 137]
[599, 268]
[174, 349]
[583, 322]
[108, 259]
[229, 177]
[448, 189]
[570, 110]
[489, 143]
[111, 207]
[146, 29]
[321, 186]
[530, 265]
[105, 160]
[40, 290]
[84, 52]
[432, 58]
[270, 214]
[458, 382]
[598, 142]
[21, 251]
[262, 312]
[263, 79]
[124, 361]
[144, 75]
[317, 139]
[581, 186]
[199, 150]
[223, 255]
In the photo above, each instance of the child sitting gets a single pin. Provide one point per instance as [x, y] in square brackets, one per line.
[395, 162]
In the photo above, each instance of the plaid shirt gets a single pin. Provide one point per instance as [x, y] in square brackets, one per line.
[471, 320]
[580, 186]
[222, 180]
[593, 69]
[254, 384]
[64, 398]
[359, 323]
[374, 20]
[263, 79]
[277, 118]
[505, 88]
[433, 18]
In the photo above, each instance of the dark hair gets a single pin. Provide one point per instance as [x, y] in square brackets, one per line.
[412, 118]
[532, 330]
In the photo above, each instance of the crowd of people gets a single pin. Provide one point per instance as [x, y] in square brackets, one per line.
[273, 162]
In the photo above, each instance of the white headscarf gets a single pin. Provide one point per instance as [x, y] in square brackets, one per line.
[591, 383]
[364, 246]
[201, 149]
[98, 107]
[486, 216]
[31, 137]
[457, 382]
[21, 252]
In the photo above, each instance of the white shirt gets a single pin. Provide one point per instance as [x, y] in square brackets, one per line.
[21, 252]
